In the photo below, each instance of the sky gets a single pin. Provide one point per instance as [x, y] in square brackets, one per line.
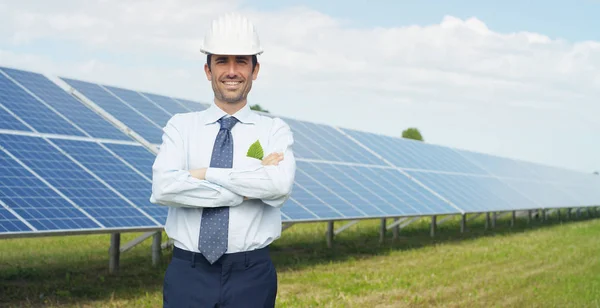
[515, 79]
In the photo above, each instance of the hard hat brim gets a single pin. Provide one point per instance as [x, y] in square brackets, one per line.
[231, 52]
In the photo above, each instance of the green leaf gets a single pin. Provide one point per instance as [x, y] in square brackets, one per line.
[255, 151]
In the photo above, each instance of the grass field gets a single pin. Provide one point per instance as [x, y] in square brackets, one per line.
[542, 264]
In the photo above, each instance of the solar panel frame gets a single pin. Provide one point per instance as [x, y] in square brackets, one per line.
[123, 115]
[168, 104]
[67, 106]
[140, 104]
[30, 109]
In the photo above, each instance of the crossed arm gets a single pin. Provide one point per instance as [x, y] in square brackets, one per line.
[175, 186]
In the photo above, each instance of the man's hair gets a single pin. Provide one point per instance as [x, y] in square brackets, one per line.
[254, 61]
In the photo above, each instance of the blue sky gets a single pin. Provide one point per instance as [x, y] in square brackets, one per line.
[570, 20]
[516, 79]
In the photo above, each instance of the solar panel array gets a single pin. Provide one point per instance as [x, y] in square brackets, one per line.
[75, 157]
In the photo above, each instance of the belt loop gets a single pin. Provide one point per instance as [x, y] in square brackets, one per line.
[193, 259]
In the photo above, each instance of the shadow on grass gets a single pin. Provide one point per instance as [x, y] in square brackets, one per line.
[72, 276]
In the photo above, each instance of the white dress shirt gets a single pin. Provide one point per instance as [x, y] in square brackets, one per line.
[187, 144]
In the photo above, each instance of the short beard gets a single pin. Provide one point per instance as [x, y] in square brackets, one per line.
[229, 99]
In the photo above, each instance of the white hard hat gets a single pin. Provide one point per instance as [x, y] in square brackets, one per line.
[231, 34]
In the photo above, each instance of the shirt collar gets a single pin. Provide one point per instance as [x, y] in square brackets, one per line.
[244, 115]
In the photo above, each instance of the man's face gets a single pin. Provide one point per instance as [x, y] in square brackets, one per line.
[231, 77]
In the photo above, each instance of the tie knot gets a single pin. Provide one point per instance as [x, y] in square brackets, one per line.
[227, 123]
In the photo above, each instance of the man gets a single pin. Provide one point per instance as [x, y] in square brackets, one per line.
[224, 198]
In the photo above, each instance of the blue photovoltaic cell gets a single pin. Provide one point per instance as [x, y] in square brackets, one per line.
[546, 195]
[166, 103]
[191, 105]
[588, 193]
[416, 155]
[321, 142]
[474, 193]
[32, 111]
[135, 100]
[555, 174]
[138, 156]
[7, 121]
[408, 196]
[74, 182]
[114, 172]
[145, 128]
[500, 166]
[35, 202]
[67, 105]
[293, 211]
[10, 223]
[378, 191]
[334, 181]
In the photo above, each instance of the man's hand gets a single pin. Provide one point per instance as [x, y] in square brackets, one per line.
[198, 173]
[272, 159]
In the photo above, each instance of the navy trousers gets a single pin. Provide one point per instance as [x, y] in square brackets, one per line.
[245, 279]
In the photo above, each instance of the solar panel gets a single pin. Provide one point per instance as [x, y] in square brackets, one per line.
[191, 105]
[67, 105]
[32, 111]
[322, 142]
[76, 182]
[8, 121]
[142, 105]
[138, 156]
[37, 203]
[547, 195]
[415, 155]
[90, 194]
[166, 103]
[500, 166]
[9, 223]
[474, 194]
[113, 171]
[587, 193]
[128, 116]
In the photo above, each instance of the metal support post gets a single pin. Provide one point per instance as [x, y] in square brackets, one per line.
[382, 231]
[330, 234]
[512, 218]
[433, 225]
[529, 214]
[156, 249]
[487, 220]
[396, 230]
[543, 215]
[494, 219]
[463, 223]
[114, 252]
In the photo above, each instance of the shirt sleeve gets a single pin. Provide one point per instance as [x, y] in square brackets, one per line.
[272, 184]
[172, 183]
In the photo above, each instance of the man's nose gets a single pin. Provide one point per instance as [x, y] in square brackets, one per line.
[231, 70]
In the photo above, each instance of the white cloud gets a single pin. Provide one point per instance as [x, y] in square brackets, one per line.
[521, 95]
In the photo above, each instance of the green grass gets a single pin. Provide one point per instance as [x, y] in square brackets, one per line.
[542, 264]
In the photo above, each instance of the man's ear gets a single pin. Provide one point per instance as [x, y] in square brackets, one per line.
[255, 72]
[207, 71]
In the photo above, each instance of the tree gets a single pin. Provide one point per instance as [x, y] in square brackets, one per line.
[412, 133]
[257, 107]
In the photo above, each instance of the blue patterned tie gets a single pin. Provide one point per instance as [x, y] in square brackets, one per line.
[215, 221]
